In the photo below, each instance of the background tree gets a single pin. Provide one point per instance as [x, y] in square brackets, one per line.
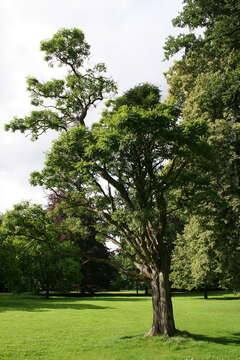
[10, 274]
[127, 280]
[204, 85]
[79, 226]
[42, 261]
[196, 263]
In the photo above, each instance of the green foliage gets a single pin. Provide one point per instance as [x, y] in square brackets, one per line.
[204, 85]
[84, 229]
[64, 102]
[41, 261]
[67, 46]
[143, 95]
[219, 22]
[10, 274]
[127, 279]
[195, 258]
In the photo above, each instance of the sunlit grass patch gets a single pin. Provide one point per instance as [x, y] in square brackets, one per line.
[113, 328]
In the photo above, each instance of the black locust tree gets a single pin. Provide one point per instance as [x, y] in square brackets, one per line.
[125, 169]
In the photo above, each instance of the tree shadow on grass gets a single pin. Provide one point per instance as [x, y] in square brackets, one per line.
[225, 298]
[212, 295]
[124, 299]
[232, 339]
[36, 304]
[132, 337]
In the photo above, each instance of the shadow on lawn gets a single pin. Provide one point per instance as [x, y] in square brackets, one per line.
[41, 305]
[212, 295]
[225, 298]
[38, 304]
[124, 299]
[233, 339]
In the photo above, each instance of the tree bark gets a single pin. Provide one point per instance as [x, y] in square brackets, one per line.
[163, 320]
[47, 293]
[205, 293]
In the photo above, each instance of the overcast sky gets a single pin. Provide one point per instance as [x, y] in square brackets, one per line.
[128, 35]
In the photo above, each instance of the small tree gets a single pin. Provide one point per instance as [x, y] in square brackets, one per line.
[41, 258]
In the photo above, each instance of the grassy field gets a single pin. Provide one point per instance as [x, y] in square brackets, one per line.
[112, 328]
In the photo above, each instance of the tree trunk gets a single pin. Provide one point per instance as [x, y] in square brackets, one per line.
[163, 320]
[205, 293]
[47, 293]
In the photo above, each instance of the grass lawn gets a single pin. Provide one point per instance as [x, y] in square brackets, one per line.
[112, 328]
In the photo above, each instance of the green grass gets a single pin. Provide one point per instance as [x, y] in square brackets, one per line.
[112, 328]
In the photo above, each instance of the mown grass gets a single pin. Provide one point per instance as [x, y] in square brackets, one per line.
[112, 328]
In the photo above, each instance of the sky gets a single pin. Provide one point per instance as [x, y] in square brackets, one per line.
[127, 35]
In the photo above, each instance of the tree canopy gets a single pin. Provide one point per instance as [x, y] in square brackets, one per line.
[63, 103]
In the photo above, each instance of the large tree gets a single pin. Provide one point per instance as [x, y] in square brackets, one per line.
[205, 86]
[126, 169]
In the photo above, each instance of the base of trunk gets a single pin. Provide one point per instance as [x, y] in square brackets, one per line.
[163, 320]
[154, 332]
